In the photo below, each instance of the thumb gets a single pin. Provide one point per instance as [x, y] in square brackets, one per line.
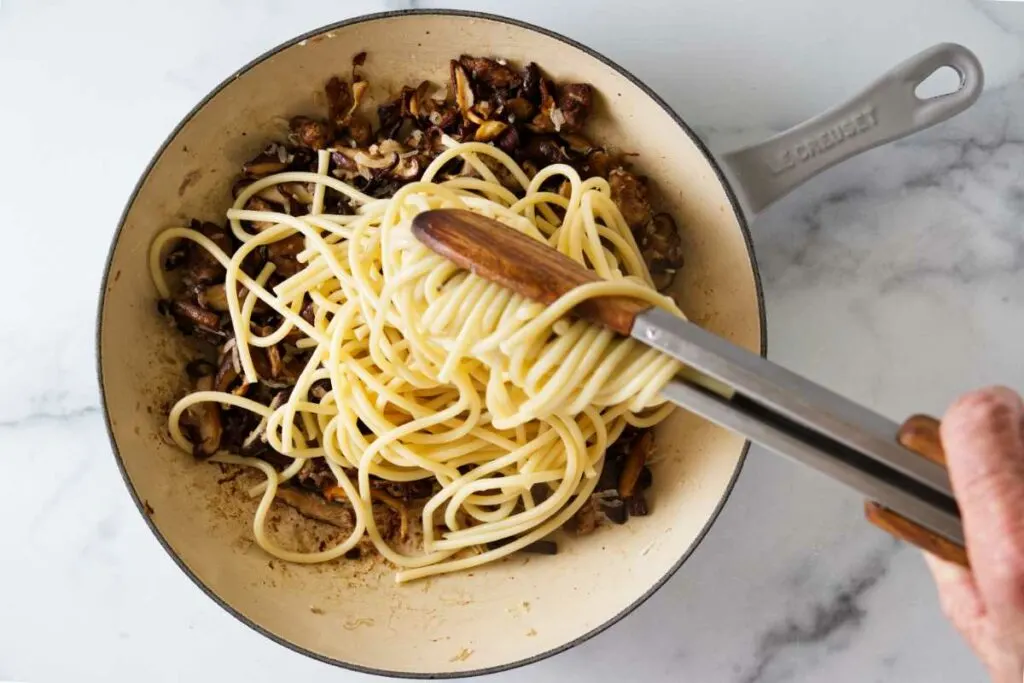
[984, 444]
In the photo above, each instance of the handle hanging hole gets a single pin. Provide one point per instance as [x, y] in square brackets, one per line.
[943, 81]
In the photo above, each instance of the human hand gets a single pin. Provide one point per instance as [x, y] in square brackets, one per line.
[983, 437]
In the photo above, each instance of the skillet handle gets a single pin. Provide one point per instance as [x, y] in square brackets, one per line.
[920, 434]
[888, 109]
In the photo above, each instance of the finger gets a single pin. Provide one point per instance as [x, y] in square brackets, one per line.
[984, 442]
[963, 606]
[958, 595]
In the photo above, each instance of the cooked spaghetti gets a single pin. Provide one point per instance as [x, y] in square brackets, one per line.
[433, 373]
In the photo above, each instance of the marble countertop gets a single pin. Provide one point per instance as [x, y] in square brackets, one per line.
[896, 279]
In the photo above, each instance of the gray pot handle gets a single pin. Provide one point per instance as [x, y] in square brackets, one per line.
[886, 110]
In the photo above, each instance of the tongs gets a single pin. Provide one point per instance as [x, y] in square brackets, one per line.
[900, 469]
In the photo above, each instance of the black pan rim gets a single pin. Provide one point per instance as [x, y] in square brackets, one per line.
[104, 284]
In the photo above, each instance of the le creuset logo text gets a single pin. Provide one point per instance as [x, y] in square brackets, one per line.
[833, 136]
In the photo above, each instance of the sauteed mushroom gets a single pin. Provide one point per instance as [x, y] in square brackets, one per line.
[207, 422]
[310, 133]
[527, 115]
[630, 194]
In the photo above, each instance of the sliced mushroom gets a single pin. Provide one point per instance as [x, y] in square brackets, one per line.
[311, 133]
[384, 163]
[207, 422]
[464, 97]
[599, 163]
[264, 165]
[531, 83]
[345, 165]
[408, 168]
[586, 518]
[491, 73]
[646, 478]
[545, 149]
[314, 506]
[637, 505]
[575, 102]
[302, 159]
[483, 110]
[390, 117]
[190, 316]
[276, 366]
[308, 312]
[296, 192]
[200, 266]
[340, 102]
[662, 249]
[630, 194]
[359, 130]
[489, 130]
[632, 468]
[228, 369]
[510, 141]
[418, 103]
[446, 119]
[577, 143]
[213, 298]
[519, 109]
[260, 362]
[542, 122]
[359, 90]
[320, 388]
[177, 255]
[258, 204]
[614, 509]
[274, 195]
[282, 254]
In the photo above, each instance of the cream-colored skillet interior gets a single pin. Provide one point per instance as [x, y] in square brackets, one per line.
[353, 612]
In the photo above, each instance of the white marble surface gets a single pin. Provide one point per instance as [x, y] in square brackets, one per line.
[896, 279]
